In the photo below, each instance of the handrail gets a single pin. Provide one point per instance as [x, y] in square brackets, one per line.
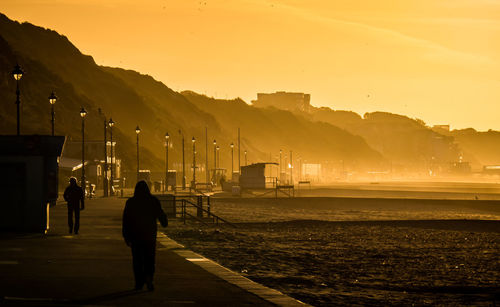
[196, 218]
[204, 210]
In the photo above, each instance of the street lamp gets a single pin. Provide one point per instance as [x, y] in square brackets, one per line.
[194, 162]
[52, 101]
[105, 171]
[215, 160]
[111, 123]
[167, 137]
[183, 163]
[246, 158]
[232, 160]
[218, 157]
[137, 131]
[83, 113]
[279, 175]
[17, 73]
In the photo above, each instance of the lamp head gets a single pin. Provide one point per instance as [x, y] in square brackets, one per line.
[167, 136]
[83, 112]
[193, 139]
[111, 123]
[52, 98]
[17, 73]
[232, 145]
[137, 130]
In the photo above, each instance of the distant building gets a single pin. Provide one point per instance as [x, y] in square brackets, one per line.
[311, 172]
[284, 100]
[94, 163]
[460, 167]
[491, 169]
[442, 127]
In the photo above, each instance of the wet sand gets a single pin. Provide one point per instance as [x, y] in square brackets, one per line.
[325, 251]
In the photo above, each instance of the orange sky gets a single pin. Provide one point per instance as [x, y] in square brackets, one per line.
[435, 60]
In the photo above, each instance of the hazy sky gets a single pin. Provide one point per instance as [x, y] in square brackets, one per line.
[438, 60]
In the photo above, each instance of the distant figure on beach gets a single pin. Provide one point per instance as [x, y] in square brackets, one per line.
[74, 196]
[139, 231]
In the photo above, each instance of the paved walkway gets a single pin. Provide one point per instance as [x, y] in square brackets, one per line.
[95, 268]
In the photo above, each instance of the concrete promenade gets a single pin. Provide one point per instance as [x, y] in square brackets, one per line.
[94, 268]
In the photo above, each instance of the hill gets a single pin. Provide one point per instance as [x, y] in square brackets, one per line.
[51, 62]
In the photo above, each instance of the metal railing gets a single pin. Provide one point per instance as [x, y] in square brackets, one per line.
[186, 204]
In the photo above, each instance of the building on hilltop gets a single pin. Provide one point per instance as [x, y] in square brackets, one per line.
[442, 127]
[284, 100]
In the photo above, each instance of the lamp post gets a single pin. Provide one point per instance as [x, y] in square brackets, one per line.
[246, 158]
[194, 162]
[279, 175]
[218, 157]
[232, 160]
[105, 172]
[207, 172]
[215, 160]
[17, 73]
[111, 123]
[52, 101]
[167, 143]
[183, 164]
[83, 113]
[137, 131]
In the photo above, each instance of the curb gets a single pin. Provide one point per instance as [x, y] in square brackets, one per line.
[266, 293]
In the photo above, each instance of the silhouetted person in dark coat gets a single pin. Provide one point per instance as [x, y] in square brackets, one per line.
[74, 196]
[142, 211]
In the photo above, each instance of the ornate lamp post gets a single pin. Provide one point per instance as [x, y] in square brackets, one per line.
[137, 131]
[232, 160]
[111, 123]
[194, 162]
[167, 143]
[52, 101]
[17, 73]
[83, 113]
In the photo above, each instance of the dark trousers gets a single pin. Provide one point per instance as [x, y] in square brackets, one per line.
[76, 210]
[143, 260]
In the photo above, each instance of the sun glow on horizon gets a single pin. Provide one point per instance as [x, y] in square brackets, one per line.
[434, 61]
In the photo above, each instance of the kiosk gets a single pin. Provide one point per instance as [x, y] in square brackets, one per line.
[28, 181]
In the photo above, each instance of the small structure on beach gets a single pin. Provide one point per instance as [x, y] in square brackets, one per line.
[28, 180]
[253, 176]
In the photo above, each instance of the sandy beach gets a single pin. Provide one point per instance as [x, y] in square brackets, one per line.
[327, 251]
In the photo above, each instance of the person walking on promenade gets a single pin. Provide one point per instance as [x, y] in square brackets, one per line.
[139, 231]
[74, 196]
